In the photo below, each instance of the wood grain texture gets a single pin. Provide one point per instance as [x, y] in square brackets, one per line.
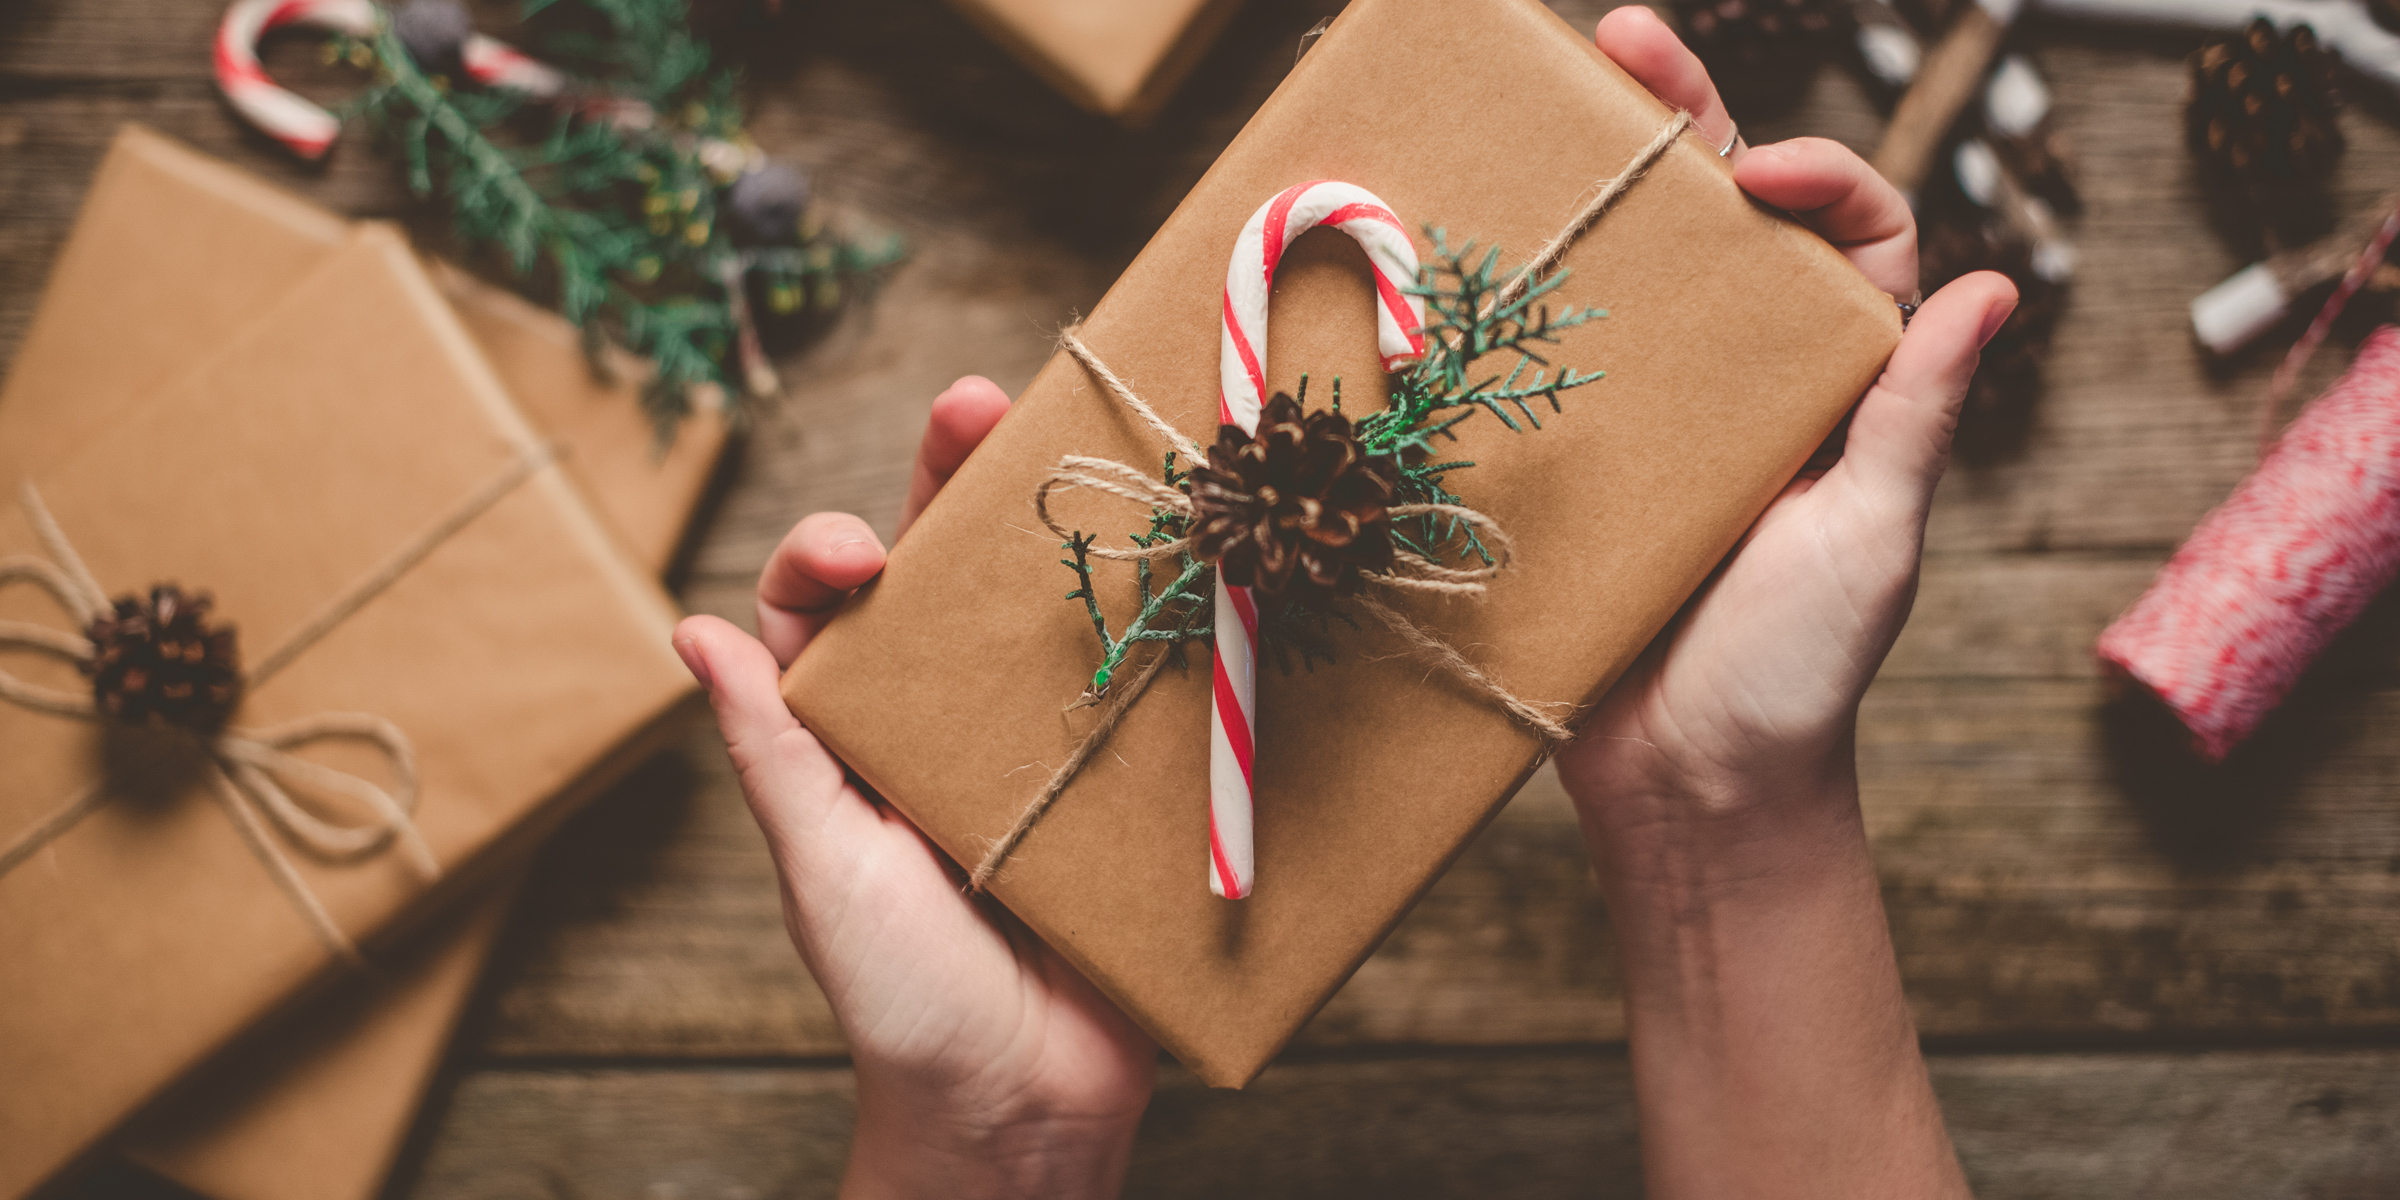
[2057, 873]
[1532, 1124]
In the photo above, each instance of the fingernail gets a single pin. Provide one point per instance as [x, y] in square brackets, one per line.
[688, 650]
[1993, 318]
[1782, 150]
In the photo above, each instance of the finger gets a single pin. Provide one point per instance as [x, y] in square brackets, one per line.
[1899, 440]
[961, 417]
[1836, 193]
[816, 565]
[775, 756]
[1634, 38]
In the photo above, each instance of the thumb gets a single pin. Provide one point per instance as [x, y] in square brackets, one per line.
[1899, 441]
[786, 774]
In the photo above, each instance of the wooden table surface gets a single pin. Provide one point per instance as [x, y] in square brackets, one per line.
[2135, 978]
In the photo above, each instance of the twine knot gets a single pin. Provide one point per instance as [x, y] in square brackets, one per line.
[160, 665]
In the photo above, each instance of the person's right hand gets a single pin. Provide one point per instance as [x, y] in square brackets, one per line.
[1772, 1048]
[987, 1066]
[1759, 679]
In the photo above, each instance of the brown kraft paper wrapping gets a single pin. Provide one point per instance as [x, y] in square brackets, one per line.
[1735, 343]
[319, 1113]
[291, 463]
[316, 1108]
[1118, 58]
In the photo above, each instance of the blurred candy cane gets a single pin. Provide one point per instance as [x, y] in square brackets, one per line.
[308, 130]
[304, 128]
[1242, 394]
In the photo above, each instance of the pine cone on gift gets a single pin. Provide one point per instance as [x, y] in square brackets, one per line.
[160, 662]
[1760, 51]
[2264, 106]
[1298, 510]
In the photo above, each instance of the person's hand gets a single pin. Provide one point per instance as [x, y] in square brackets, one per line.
[1751, 695]
[986, 1065]
[1717, 781]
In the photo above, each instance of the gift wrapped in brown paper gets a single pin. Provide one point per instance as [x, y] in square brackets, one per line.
[173, 251]
[1118, 58]
[440, 652]
[1735, 342]
[315, 1107]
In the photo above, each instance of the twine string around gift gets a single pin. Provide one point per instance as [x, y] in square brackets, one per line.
[1410, 573]
[251, 772]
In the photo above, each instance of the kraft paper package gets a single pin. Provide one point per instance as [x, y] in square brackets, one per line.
[316, 1108]
[1736, 341]
[1118, 58]
[175, 250]
[407, 566]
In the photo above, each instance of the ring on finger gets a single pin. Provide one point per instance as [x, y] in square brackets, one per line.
[1733, 138]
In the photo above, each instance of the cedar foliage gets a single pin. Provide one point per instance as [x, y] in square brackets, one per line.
[619, 217]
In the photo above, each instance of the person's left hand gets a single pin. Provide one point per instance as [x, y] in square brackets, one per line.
[986, 1064]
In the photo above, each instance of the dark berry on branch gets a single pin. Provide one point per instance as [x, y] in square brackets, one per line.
[435, 33]
[1299, 510]
[766, 204]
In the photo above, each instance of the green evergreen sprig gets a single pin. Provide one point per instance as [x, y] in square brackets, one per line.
[1171, 615]
[620, 217]
[1466, 321]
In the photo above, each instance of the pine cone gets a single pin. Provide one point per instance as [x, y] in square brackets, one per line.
[2263, 105]
[1298, 510]
[2010, 373]
[159, 663]
[1759, 50]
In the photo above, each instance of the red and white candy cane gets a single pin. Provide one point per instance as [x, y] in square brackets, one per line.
[308, 130]
[302, 127]
[1399, 319]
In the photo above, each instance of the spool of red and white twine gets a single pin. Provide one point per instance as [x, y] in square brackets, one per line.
[304, 128]
[1249, 281]
[2278, 569]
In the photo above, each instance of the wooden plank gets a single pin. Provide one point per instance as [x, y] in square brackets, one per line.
[2231, 1125]
[2051, 871]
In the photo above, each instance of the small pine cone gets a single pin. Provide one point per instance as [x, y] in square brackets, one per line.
[1299, 510]
[2010, 371]
[2264, 106]
[159, 663]
[1760, 46]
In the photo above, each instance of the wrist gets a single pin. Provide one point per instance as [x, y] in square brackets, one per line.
[904, 1149]
[1698, 833]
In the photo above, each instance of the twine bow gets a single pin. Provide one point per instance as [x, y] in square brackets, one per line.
[1410, 572]
[252, 773]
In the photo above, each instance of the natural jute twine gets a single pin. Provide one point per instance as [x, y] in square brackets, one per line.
[248, 770]
[1411, 572]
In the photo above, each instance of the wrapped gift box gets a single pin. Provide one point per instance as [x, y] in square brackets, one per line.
[1736, 341]
[347, 435]
[317, 1107]
[1118, 58]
